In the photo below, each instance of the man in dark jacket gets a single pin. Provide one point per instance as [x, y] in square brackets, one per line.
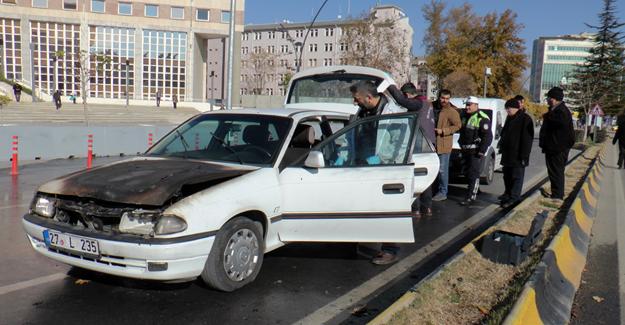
[475, 139]
[620, 138]
[556, 139]
[17, 91]
[515, 146]
[407, 97]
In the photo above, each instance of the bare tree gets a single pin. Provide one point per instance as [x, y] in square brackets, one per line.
[377, 43]
[263, 67]
[85, 70]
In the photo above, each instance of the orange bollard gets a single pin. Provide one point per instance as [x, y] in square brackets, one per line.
[14, 156]
[89, 150]
[197, 141]
[150, 140]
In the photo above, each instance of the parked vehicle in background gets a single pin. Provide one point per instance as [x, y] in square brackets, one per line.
[496, 111]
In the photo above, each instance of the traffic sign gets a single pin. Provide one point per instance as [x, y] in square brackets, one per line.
[596, 110]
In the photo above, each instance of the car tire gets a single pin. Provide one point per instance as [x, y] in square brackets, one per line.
[489, 175]
[236, 256]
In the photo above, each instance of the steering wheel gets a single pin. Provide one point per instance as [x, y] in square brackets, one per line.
[258, 149]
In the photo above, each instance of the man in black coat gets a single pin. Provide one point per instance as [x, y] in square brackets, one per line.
[620, 138]
[515, 146]
[557, 137]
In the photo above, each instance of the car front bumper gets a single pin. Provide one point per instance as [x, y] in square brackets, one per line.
[138, 259]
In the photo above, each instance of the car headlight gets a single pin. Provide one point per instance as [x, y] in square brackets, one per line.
[139, 222]
[169, 224]
[44, 207]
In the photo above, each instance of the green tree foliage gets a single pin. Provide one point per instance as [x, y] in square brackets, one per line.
[601, 78]
[464, 41]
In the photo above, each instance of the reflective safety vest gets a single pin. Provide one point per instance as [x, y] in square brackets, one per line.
[470, 133]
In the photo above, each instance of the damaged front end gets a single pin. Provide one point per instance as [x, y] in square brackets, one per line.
[107, 218]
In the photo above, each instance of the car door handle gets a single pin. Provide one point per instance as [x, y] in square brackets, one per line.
[393, 188]
[421, 171]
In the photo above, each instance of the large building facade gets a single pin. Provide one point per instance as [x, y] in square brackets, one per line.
[140, 48]
[282, 43]
[554, 59]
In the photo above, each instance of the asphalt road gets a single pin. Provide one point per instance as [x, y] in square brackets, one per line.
[299, 283]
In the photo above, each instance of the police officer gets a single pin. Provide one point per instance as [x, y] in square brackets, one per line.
[475, 139]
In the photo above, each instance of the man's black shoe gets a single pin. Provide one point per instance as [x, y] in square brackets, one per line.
[467, 202]
[503, 197]
[508, 203]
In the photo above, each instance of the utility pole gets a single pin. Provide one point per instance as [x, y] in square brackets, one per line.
[212, 75]
[127, 99]
[307, 32]
[233, 7]
[2, 58]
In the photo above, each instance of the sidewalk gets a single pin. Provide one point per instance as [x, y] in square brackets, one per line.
[601, 296]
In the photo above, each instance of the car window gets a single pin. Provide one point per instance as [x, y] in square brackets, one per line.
[421, 144]
[372, 142]
[325, 88]
[245, 139]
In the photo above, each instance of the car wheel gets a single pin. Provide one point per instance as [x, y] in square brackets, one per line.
[236, 256]
[490, 172]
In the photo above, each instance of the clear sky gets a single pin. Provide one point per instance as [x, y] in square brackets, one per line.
[540, 18]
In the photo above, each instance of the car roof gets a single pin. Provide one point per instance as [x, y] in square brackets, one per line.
[485, 103]
[282, 112]
[348, 69]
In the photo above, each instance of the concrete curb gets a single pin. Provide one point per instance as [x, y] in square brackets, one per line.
[547, 298]
[406, 299]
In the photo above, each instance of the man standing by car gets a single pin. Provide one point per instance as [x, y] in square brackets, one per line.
[475, 139]
[557, 137]
[407, 97]
[521, 101]
[447, 122]
[371, 103]
[516, 140]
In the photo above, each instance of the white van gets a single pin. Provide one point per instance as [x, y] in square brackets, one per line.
[496, 111]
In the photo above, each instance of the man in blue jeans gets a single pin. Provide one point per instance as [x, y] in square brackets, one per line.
[448, 122]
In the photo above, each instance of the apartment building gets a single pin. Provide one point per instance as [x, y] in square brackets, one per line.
[554, 59]
[172, 47]
[282, 43]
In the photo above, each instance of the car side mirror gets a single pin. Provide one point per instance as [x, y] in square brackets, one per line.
[315, 160]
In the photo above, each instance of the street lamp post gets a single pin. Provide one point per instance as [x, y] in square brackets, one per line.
[32, 71]
[231, 52]
[127, 66]
[56, 74]
[2, 58]
[487, 72]
[307, 32]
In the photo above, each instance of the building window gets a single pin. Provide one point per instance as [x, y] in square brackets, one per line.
[151, 10]
[202, 14]
[40, 3]
[69, 5]
[246, 36]
[9, 2]
[272, 34]
[97, 6]
[226, 16]
[124, 8]
[312, 47]
[329, 31]
[312, 62]
[109, 81]
[327, 62]
[314, 32]
[258, 36]
[164, 63]
[299, 33]
[328, 47]
[177, 13]
[10, 30]
[343, 47]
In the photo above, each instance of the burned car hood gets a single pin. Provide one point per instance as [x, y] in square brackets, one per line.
[147, 181]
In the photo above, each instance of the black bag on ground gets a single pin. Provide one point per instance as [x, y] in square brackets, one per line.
[509, 248]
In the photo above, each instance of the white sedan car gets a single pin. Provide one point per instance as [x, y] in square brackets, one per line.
[224, 188]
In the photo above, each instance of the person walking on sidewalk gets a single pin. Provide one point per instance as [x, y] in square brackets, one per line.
[408, 98]
[174, 100]
[448, 122]
[17, 91]
[475, 139]
[619, 137]
[515, 146]
[158, 98]
[556, 139]
[57, 99]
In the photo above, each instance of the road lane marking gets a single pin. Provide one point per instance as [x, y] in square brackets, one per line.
[31, 283]
[324, 314]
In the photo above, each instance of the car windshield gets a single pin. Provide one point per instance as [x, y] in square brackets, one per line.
[326, 88]
[238, 138]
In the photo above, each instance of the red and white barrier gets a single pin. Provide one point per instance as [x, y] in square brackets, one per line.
[14, 156]
[150, 140]
[89, 150]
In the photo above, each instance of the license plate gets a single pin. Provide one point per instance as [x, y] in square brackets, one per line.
[81, 245]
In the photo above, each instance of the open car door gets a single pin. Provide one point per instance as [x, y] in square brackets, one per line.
[356, 186]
